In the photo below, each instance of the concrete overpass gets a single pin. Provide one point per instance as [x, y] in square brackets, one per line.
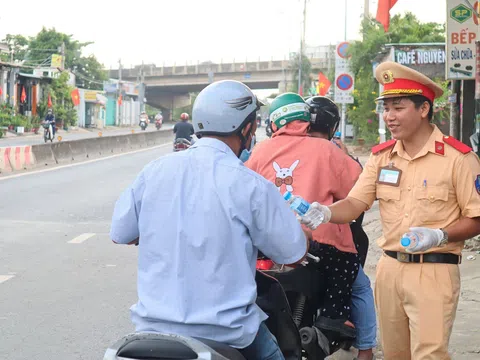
[168, 87]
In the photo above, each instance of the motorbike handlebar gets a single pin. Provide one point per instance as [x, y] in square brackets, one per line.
[315, 259]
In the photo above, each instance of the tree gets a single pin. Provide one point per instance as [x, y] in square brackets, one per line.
[90, 73]
[403, 29]
[18, 44]
[60, 93]
[306, 70]
[38, 51]
[48, 42]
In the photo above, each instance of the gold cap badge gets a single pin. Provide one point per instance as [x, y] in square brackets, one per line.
[388, 77]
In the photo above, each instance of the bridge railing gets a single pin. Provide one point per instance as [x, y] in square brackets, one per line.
[206, 68]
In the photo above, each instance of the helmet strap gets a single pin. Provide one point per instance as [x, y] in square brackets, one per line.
[243, 139]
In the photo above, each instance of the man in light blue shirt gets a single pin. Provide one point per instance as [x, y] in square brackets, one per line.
[201, 217]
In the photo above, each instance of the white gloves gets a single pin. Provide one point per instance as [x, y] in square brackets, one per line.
[428, 238]
[320, 210]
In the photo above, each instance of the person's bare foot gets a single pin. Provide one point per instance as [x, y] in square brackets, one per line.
[365, 355]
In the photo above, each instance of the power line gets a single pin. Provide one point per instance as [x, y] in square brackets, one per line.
[87, 79]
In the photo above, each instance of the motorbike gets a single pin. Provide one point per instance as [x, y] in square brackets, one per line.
[303, 286]
[290, 298]
[158, 124]
[268, 128]
[47, 132]
[143, 124]
[181, 144]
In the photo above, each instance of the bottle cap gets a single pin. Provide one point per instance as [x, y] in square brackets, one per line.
[338, 134]
[405, 241]
[287, 195]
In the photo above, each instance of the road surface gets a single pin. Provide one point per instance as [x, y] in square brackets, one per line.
[65, 288]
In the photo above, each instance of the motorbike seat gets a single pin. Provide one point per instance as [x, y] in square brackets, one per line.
[156, 349]
[222, 349]
[153, 348]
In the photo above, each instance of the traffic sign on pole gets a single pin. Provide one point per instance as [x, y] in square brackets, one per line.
[344, 81]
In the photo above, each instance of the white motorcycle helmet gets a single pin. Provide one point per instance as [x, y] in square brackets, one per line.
[224, 108]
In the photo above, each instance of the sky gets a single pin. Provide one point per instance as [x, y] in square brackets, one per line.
[191, 31]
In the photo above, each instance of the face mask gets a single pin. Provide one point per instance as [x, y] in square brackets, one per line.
[245, 155]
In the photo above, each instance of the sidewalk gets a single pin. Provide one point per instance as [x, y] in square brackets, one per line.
[12, 139]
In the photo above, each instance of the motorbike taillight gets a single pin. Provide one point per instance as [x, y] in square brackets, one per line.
[264, 264]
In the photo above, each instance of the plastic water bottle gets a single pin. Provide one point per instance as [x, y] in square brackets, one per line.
[410, 240]
[303, 208]
[338, 135]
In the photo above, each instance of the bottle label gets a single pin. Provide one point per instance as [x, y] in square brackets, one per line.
[300, 206]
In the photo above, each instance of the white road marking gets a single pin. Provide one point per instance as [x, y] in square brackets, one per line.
[4, 278]
[81, 163]
[110, 265]
[81, 238]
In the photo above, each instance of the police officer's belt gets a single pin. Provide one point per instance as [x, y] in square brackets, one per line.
[425, 258]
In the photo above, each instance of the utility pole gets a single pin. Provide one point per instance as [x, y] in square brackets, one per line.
[62, 53]
[343, 122]
[302, 45]
[141, 93]
[119, 92]
[366, 9]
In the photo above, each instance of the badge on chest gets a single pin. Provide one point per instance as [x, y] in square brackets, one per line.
[389, 175]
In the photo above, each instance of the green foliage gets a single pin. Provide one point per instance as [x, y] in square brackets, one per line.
[90, 73]
[151, 111]
[306, 72]
[60, 93]
[403, 29]
[19, 45]
[38, 50]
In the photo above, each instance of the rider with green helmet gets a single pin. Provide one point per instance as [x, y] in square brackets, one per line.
[319, 172]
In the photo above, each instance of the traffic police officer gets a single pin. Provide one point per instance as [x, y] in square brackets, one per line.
[428, 183]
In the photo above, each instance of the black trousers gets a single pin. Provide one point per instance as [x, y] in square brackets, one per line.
[338, 271]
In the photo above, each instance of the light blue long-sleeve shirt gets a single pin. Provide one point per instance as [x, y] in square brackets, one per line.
[201, 215]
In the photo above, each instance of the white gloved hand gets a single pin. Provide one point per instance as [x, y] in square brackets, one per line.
[428, 238]
[327, 214]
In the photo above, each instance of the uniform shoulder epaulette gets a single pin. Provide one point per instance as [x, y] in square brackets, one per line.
[380, 147]
[457, 144]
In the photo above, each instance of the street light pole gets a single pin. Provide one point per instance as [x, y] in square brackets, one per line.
[343, 123]
[302, 45]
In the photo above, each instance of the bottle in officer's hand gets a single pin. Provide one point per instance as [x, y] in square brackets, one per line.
[312, 216]
[410, 240]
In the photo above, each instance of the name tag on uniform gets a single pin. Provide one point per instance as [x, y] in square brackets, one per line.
[389, 175]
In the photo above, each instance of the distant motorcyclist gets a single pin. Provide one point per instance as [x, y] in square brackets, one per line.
[183, 129]
[259, 120]
[144, 117]
[50, 118]
[159, 120]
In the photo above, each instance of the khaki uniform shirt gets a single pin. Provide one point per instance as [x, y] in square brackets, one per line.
[437, 187]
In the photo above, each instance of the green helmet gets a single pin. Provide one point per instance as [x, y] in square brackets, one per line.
[287, 108]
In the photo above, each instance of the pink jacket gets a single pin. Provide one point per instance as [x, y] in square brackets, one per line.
[313, 168]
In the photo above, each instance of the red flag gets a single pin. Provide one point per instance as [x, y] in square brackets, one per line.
[120, 100]
[75, 97]
[49, 104]
[383, 12]
[23, 97]
[323, 84]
